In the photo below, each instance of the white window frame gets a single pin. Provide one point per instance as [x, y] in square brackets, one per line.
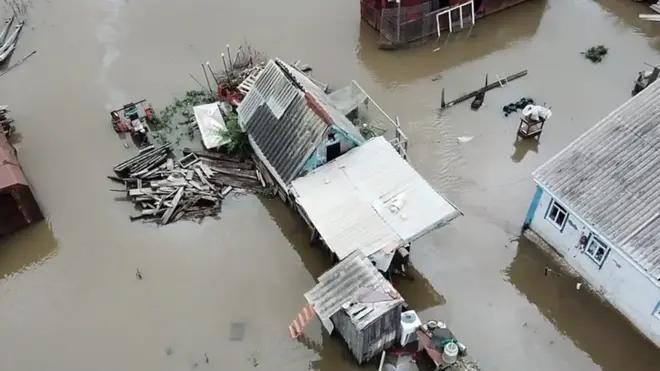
[598, 244]
[560, 208]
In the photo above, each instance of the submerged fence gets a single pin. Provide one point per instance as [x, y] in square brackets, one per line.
[408, 24]
[403, 25]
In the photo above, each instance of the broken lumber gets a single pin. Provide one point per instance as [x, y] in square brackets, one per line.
[488, 87]
[165, 190]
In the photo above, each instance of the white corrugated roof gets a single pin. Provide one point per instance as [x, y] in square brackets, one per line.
[211, 125]
[610, 177]
[352, 201]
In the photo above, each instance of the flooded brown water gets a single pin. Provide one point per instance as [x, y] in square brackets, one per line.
[69, 299]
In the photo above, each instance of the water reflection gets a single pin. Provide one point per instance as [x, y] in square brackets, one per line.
[490, 34]
[595, 327]
[523, 146]
[26, 249]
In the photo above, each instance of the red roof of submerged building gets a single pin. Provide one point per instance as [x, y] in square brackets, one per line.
[10, 171]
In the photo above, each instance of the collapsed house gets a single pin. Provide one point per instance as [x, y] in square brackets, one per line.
[354, 298]
[18, 207]
[293, 125]
[353, 193]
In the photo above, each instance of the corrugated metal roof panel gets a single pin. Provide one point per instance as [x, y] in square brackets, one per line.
[343, 283]
[276, 117]
[352, 201]
[610, 177]
[338, 117]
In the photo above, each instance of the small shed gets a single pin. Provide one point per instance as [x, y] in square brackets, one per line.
[372, 200]
[361, 304]
[292, 124]
[18, 208]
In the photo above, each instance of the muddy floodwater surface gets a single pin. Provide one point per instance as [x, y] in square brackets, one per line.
[69, 299]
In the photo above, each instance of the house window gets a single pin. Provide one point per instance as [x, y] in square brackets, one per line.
[597, 250]
[657, 311]
[557, 215]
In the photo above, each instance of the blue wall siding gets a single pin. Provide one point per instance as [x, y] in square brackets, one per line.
[318, 157]
[532, 206]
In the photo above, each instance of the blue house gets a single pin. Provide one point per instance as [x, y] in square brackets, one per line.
[597, 203]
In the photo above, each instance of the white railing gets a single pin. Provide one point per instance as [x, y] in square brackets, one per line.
[400, 141]
[449, 11]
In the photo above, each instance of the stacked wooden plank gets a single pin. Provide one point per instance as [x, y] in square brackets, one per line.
[166, 190]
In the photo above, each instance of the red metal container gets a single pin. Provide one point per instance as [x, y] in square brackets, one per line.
[18, 207]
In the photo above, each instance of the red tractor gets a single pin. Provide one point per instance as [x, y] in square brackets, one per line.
[133, 119]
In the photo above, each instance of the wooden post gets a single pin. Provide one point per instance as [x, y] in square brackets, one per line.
[442, 99]
[382, 361]
[207, 79]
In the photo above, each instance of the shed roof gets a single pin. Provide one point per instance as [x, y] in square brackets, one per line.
[287, 117]
[610, 177]
[356, 286]
[10, 171]
[370, 199]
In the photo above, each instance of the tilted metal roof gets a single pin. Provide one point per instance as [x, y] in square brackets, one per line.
[610, 177]
[357, 282]
[277, 116]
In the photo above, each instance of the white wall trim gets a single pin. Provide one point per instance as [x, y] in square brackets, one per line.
[601, 236]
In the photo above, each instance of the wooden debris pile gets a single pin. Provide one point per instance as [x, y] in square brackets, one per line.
[6, 124]
[165, 190]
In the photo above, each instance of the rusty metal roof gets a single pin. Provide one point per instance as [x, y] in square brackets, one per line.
[281, 121]
[10, 171]
[353, 281]
[610, 177]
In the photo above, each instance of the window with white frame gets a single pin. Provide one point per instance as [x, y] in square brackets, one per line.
[557, 215]
[596, 250]
[657, 311]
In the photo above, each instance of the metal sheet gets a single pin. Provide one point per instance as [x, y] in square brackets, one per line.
[339, 285]
[211, 125]
[276, 116]
[350, 201]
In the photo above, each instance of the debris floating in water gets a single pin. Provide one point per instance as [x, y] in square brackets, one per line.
[596, 53]
[515, 106]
